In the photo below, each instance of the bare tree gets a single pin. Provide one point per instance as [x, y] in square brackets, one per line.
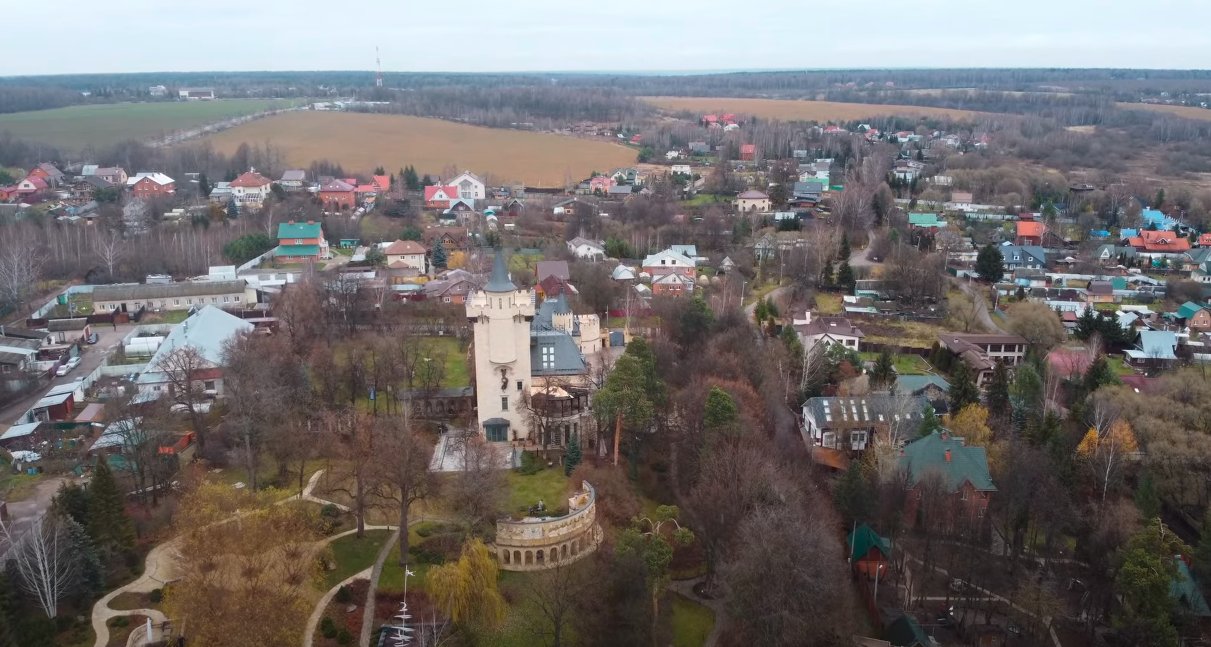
[187, 371]
[44, 559]
[110, 248]
[477, 492]
[554, 595]
[21, 263]
[356, 438]
[402, 473]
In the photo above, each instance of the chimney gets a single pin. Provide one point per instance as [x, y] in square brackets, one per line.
[809, 316]
[311, 222]
[947, 455]
[290, 223]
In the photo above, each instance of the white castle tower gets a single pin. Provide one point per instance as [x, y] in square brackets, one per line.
[500, 315]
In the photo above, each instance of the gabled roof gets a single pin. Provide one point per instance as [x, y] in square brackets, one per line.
[337, 186]
[905, 631]
[446, 193]
[838, 326]
[924, 219]
[916, 383]
[579, 241]
[947, 455]
[206, 330]
[382, 181]
[688, 251]
[289, 230]
[1026, 253]
[672, 258]
[623, 273]
[1160, 241]
[1187, 591]
[1031, 228]
[552, 268]
[251, 180]
[404, 247]
[753, 195]
[158, 178]
[863, 540]
[1189, 309]
[1155, 344]
[875, 408]
[294, 175]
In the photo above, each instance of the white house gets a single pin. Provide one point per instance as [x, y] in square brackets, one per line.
[250, 189]
[752, 201]
[204, 333]
[828, 330]
[469, 187]
[586, 249]
[669, 262]
[683, 169]
[405, 253]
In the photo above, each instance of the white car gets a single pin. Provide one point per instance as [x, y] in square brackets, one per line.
[62, 370]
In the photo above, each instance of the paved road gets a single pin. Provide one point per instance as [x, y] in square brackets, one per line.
[863, 259]
[981, 307]
[90, 359]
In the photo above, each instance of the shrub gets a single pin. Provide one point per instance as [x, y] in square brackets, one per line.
[330, 511]
[122, 621]
[529, 465]
[329, 631]
[156, 596]
[344, 637]
[343, 595]
[326, 623]
[422, 556]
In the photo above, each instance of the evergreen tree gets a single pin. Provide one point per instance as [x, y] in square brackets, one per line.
[426, 181]
[790, 339]
[203, 185]
[1160, 199]
[990, 264]
[845, 276]
[720, 413]
[771, 308]
[8, 612]
[439, 255]
[379, 170]
[883, 376]
[108, 525]
[1147, 500]
[233, 211]
[843, 255]
[1201, 554]
[71, 502]
[760, 311]
[572, 456]
[963, 389]
[929, 421]
[998, 393]
[853, 495]
[88, 561]
[826, 276]
[1098, 374]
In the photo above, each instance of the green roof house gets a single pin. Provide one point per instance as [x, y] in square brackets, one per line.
[963, 471]
[868, 552]
[299, 241]
[1196, 315]
[925, 220]
[905, 631]
[1186, 591]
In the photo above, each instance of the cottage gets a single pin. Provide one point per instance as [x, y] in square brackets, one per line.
[1017, 257]
[1030, 232]
[963, 470]
[982, 352]
[748, 152]
[293, 179]
[151, 185]
[925, 221]
[440, 197]
[1195, 315]
[337, 195]
[1158, 244]
[204, 333]
[669, 262]
[250, 189]
[827, 330]
[1155, 349]
[301, 242]
[404, 254]
[451, 238]
[672, 284]
[49, 173]
[552, 268]
[586, 249]
[753, 201]
[850, 424]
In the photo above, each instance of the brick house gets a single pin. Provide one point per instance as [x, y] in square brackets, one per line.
[337, 195]
[440, 197]
[150, 185]
[250, 189]
[1030, 232]
[748, 152]
[48, 173]
[31, 186]
[672, 284]
[301, 242]
[963, 470]
[1195, 316]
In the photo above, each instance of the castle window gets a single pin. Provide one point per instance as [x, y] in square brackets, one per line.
[504, 403]
[548, 357]
[519, 385]
[496, 433]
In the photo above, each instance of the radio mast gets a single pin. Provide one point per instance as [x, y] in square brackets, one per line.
[378, 75]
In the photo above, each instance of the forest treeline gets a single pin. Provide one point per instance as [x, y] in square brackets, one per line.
[533, 107]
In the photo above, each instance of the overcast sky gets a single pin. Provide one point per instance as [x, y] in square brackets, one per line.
[576, 35]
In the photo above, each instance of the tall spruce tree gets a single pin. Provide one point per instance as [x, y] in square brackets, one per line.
[929, 421]
[963, 389]
[883, 376]
[990, 264]
[845, 276]
[8, 612]
[572, 456]
[843, 254]
[998, 393]
[108, 525]
[88, 561]
[439, 255]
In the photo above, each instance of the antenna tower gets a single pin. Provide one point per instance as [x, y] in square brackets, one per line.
[378, 75]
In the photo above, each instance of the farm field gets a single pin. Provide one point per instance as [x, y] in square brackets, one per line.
[1189, 112]
[107, 124]
[789, 109]
[360, 142]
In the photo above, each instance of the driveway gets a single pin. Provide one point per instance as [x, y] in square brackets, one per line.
[22, 514]
[981, 307]
[91, 357]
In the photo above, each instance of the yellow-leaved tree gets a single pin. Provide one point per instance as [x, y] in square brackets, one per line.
[971, 424]
[456, 260]
[466, 590]
[1104, 454]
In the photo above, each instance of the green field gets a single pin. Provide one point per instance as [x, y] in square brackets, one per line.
[108, 124]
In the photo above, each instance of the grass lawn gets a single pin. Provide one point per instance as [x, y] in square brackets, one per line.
[692, 622]
[828, 304]
[549, 485]
[912, 334]
[342, 251]
[1120, 367]
[267, 474]
[905, 364]
[16, 487]
[392, 578]
[108, 124]
[758, 292]
[704, 199]
[166, 317]
[354, 555]
[458, 373]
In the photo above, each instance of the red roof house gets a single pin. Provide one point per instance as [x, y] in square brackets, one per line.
[440, 197]
[338, 194]
[382, 183]
[1204, 240]
[1030, 232]
[1159, 242]
[748, 152]
[31, 185]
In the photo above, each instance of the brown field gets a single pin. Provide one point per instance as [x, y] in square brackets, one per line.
[360, 142]
[1189, 112]
[792, 110]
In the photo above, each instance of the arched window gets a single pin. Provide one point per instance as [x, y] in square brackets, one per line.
[530, 557]
[506, 557]
[539, 558]
[517, 557]
[564, 550]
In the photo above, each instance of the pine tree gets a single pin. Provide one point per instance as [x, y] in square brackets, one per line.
[929, 421]
[71, 501]
[998, 392]
[720, 411]
[883, 376]
[963, 389]
[203, 185]
[843, 255]
[426, 181]
[8, 612]
[439, 255]
[852, 495]
[92, 573]
[1147, 500]
[826, 276]
[990, 264]
[572, 457]
[108, 525]
[233, 211]
[845, 276]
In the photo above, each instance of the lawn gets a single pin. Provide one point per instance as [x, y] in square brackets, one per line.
[549, 485]
[1120, 367]
[109, 124]
[16, 487]
[458, 373]
[392, 578]
[910, 334]
[704, 199]
[692, 622]
[362, 141]
[167, 317]
[353, 555]
[828, 303]
[905, 364]
[268, 475]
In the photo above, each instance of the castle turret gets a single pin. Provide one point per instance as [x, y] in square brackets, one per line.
[500, 315]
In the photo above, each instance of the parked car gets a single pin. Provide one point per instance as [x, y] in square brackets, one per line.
[92, 339]
[73, 363]
[62, 370]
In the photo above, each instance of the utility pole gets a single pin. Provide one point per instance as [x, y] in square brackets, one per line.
[378, 74]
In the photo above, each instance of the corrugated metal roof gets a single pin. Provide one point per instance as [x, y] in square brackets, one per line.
[166, 290]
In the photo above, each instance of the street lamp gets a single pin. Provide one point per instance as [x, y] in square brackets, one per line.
[874, 598]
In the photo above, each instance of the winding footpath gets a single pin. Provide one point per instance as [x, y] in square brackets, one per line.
[685, 588]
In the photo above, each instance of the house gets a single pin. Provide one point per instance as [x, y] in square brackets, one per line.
[440, 197]
[600, 184]
[151, 185]
[586, 249]
[171, 296]
[293, 179]
[405, 253]
[1099, 292]
[453, 286]
[668, 262]
[31, 186]
[17, 358]
[1030, 232]
[195, 94]
[460, 212]
[86, 187]
[68, 331]
[250, 189]
[961, 197]
[553, 286]
[869, 554]
[672, 284]
[115, 175]
[931, 386]
[552, 268]
[907, 170]
[301, 242]
[205, 333]
[1154, 218]
[905, 631]
[753, 201]
[1154, 349]
[925, 221]
[1187, 592]
[1195, 315]
[621, 192]
[49, 173]
[572, 206]
[699, 148]
[381, 183]
[681, 169]
[451, 238]
[827, 330]
[748, 152]
[1154, 244]
[807, 191]
[625, 175]
[1111, 255]
[963, 471]
[1017, 257]
[337, 195]
[851, 424]
[982, 352]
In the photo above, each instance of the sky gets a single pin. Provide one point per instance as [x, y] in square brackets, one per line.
[575, 35]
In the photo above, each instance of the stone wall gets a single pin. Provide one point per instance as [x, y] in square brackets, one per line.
[537, 543]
